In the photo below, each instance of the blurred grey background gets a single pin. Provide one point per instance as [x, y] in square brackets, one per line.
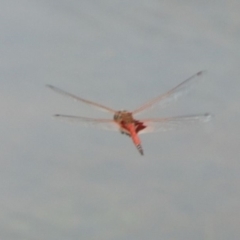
[64, 181]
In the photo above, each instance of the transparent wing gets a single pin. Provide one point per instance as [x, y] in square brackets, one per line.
[99, 106]
[106, 124]
[171, 95]
[173, 123]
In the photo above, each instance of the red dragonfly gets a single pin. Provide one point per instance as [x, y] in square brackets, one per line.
[125, 121]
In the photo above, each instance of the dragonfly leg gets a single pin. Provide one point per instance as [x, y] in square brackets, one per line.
[125, 133]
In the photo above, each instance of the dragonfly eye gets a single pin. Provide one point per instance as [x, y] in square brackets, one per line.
[117, 116]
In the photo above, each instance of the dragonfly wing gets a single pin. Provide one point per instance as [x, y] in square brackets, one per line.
[171, 95]
[99, 106]
[106, 124]
[173, 123]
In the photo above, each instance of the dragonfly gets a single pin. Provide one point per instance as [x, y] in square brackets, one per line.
[126, 121]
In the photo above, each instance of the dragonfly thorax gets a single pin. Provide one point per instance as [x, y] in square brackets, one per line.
[123, 116]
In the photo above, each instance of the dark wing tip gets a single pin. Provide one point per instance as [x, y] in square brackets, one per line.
[50, 87]
[201, 72]
[208, 117]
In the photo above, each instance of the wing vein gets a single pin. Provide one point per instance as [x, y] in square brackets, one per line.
[173, 94]
[101, 107]
[100, 123]
[172, 123]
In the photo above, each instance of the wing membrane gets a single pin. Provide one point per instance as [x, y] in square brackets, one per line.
[171, 95]
[173, 123]
[99, 106]
[106, 124]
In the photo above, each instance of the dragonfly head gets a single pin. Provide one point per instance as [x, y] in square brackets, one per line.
[123, 115]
